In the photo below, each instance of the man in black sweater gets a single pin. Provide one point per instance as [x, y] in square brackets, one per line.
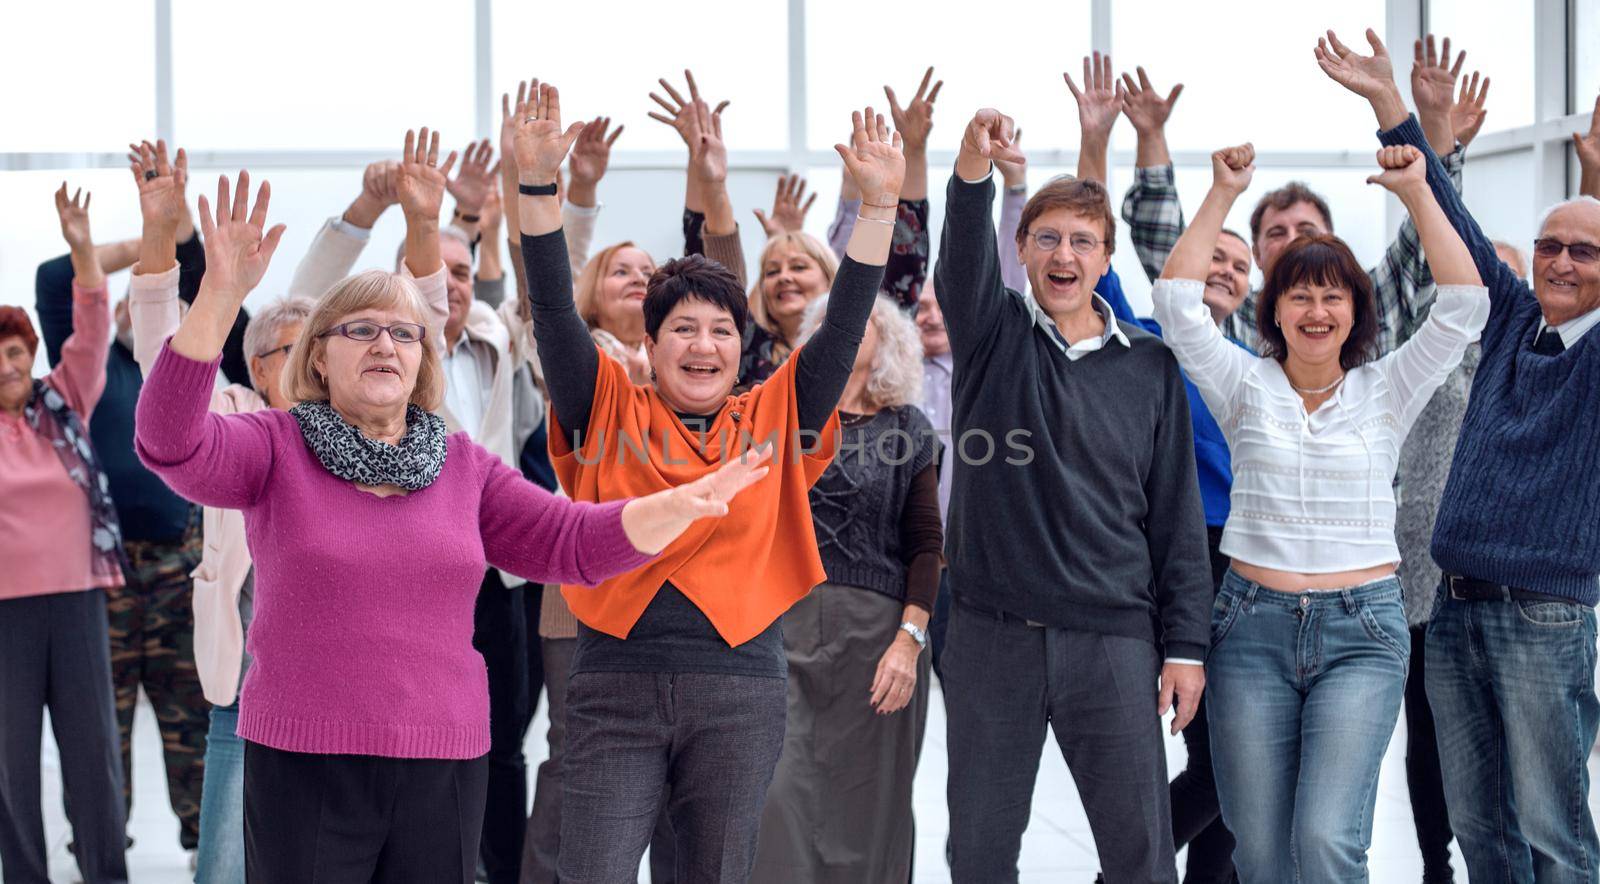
[1076, 537]
[150, 618]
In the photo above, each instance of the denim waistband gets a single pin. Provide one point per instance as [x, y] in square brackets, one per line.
[1382, 589]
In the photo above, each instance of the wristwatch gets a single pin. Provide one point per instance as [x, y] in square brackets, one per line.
[915, 632]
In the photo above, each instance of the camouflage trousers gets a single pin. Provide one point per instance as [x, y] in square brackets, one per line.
[152, 646]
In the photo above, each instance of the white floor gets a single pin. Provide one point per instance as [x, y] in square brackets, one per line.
[1056, 848]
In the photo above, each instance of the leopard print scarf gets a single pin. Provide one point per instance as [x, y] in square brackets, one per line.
[345, 452]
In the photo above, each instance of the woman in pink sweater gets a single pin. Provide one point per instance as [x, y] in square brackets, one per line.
[61, 546]
[365, 710]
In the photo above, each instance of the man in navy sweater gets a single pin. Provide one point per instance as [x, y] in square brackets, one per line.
[1511, 646]
[1076, 538]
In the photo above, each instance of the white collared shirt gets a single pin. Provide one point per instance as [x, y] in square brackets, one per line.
[1573, 329]
[469, 376]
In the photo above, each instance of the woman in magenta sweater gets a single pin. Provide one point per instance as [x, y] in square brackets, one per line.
[61, 547]
[365, 711]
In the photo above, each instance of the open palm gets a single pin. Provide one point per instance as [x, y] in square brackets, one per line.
[74, 215]
[874, 158]
[162, 200]
[420, 181]
[238, 246]
[541, 144]
[1365, 75]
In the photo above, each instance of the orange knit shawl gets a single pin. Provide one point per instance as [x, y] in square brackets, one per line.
[744, 569]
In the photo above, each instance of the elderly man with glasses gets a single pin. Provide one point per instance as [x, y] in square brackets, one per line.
[1511, 645]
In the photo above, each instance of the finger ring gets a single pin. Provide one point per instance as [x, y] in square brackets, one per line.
[149, 174]
[530, 119]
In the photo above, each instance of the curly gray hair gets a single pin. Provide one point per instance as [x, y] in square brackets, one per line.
[897, 368]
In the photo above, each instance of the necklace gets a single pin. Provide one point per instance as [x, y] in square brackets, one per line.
[1305, 392]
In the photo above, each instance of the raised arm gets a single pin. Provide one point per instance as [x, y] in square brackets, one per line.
[1215, 365]
[153, 294]
[1419, 366]
[79, 375]
[790, 203]
[475, 178]
[566, 351]
[823, 365]
[1013, 199]
[970, 289]
[420, 184]
[339, 243]
[1151, 208]
[1099, 102]
[210, 459]
[1588, 150]
[700, 127]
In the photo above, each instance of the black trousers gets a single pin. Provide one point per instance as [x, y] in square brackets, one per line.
[54, 652]
[1196, 815]
[501, 633]
[1423, 778]
[1006, 685]
[355, 819]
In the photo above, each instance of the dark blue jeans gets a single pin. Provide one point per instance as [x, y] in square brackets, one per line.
[1512, 689]
[1303, 691]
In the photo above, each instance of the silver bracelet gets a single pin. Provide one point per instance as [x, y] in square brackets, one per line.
[888, 221]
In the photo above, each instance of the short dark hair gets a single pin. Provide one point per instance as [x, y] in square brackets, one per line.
[697, 277]
[1080, 196]
[1283, 198]
[14, 322]
[1320, 260]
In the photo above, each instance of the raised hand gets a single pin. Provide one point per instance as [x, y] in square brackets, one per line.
[1403, 168]
[490, 217]
[915, 120]
[1369, 76]
[1467, 114]
[681, 112]
[708, 157]
[591, 154]
[74, 216]
[1232, 168]
[420, 181]
[1147, 110]
[1101, 98]
[511, 116]
[237, 249]
[989, 137]
[161, 183]
[541, 145]
[1014, 172]
[789, 206]
[1433, 76]
[380, 183]
[874, 159]
[474, 179]
[1587, 145]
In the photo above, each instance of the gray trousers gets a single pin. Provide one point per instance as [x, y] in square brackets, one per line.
[1004, 683]
[542, 843]
[714, 739]
[54, 652]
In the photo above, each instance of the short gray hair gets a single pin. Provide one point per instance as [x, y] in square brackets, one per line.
[270, 321]
[448, 231]
[1580, 200]
[897, 369]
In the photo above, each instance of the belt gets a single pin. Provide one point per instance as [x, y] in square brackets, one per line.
[999, 615]
[1469, 589]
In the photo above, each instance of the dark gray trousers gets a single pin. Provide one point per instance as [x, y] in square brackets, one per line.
[713, 739]
[1004, 683]
[54, 652]
[542, 843]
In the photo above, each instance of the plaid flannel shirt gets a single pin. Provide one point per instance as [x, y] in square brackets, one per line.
[1401, 282]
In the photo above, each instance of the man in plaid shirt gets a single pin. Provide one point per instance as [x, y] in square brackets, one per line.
[1401, 281]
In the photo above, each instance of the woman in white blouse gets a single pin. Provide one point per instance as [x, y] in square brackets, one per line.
[1309, 639]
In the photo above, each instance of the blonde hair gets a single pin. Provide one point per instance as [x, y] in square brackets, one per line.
[897, 366]
[371, 289]
[586, 293]
[799, 241]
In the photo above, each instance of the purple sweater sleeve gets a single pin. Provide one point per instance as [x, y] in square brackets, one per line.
[548, 539]
[1012, 273]
[211, 459]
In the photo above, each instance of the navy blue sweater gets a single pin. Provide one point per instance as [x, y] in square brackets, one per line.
[1096, 525]
[146, 507]
[1522, 505]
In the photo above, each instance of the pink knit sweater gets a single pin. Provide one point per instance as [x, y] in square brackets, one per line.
[362, 637]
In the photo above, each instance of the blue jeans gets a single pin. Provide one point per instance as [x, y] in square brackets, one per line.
[1303, 691]
[220, 859]
[1512, 689]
